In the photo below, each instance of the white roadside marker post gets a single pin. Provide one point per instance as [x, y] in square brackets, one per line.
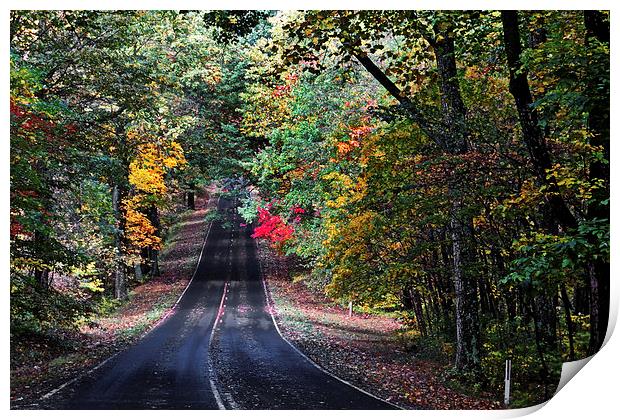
[350, 308]
[507, 382]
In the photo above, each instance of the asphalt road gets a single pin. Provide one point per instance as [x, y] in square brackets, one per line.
[220, 348]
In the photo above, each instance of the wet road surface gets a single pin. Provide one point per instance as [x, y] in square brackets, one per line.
[219, 349]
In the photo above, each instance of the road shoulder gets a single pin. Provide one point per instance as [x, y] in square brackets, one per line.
[361, 349]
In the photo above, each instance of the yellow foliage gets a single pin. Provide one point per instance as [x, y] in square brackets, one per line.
[350, 190]
[138, 228]
[147, 174]
[147, 170]
[149, 179]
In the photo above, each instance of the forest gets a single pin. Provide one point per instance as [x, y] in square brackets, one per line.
[449, 168]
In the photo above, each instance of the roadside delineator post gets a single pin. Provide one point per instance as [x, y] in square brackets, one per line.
[507, 375]
[350, 309]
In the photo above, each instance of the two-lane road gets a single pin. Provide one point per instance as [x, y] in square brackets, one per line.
[220, 348]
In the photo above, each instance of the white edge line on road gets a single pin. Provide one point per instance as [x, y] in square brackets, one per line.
[220, 312]
[271, 310]
[216, 393]
[80, 376]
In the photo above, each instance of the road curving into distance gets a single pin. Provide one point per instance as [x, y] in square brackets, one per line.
[220, 349]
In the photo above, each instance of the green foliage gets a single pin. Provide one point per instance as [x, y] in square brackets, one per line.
[35, 311]
[213, 216]
[234, 24]
[509, 340]
[88, 277]
[550, 258]
[248, 210]
[108, 306]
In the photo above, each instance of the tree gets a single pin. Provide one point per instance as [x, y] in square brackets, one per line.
[121, 69]
[534, 138]
[450, 132]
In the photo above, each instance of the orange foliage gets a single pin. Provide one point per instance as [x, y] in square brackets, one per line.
[138, 228]
[356, 134]
[147, 174]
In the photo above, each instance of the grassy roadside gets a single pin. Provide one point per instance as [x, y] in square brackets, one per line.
[39, 367]
[363, 349]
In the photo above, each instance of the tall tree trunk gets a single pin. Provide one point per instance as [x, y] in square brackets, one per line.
[42, 278]
[466, 297]
[40, 274]
[597, 31]
[120, 279]
[153, 216]
[419, 312]
[461, 229]
[582, 299]
[191, 202]
[569, 322]
[533, 136]
[145, 260]
[137, 269]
